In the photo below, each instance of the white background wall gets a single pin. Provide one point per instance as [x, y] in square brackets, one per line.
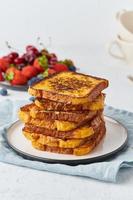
[80, 30]
[68, 22]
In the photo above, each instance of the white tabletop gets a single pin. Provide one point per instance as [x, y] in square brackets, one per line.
[22, 183]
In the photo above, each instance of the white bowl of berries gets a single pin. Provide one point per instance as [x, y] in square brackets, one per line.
[20, 71]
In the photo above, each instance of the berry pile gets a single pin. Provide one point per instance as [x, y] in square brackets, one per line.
[32, 66]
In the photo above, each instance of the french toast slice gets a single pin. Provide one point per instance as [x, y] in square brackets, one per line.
[78, 133]
[24, 113]
[79, 151]
[46, 104]
[59, 125]
[71, 116]
[69, 87]
[55, 142]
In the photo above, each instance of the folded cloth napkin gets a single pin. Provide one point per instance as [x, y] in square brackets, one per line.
[106, 171]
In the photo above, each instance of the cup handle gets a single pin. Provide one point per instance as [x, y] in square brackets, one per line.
[115, 43]
[118, 14]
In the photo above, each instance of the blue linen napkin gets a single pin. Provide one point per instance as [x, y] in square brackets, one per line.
[105, 171]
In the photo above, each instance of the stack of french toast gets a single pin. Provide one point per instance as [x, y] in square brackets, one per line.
[67, 114]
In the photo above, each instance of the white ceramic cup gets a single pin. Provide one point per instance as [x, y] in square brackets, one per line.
[125, 50]
[125, 22]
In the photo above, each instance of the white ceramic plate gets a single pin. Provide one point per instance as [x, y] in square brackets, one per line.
[114, 141]
[7, 85]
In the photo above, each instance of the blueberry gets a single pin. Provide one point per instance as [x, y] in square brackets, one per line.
[32, 99]
[72, 68]
[3, 92]
[33, 80]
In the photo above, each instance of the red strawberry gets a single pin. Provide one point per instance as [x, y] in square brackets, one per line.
[4, 64]
[36, 64]
[29, 71]
[9, 74]
[51, 71]
[41, 63]
[15, 76]
[58, 67]
[1, 76]
[19, 79]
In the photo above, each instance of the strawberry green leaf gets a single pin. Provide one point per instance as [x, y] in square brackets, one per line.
[67, 62]
[43, 61]
[12, 65]
[10, 76]
[45, 73]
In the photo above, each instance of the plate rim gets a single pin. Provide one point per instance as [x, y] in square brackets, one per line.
[69, 162]
[16, 87]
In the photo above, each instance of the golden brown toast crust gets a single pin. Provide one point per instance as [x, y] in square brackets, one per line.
[60, 125]
[27, 107]
[90, 127]
[73, 116]
[79, 151]
[71, 85]
[46, 104]
[57, 142]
